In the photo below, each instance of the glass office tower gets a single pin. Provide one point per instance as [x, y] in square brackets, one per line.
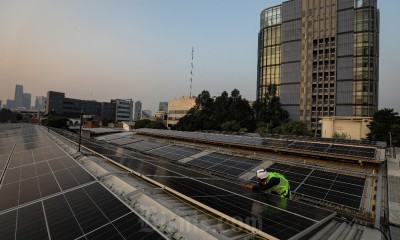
[323, 55]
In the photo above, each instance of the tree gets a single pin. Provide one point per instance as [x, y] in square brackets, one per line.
[142, 123]
[55, 121]
[385, 121]
[146, 123]
[268, 110]
[296, 128]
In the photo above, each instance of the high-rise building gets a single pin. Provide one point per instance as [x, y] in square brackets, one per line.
[1, 104]
[138, 111]
[10, 104]
[19, 96]
[163, 106]
[40, 103]
[27, 101]
[323, 55]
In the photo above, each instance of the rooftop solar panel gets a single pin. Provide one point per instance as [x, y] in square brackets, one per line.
[320, 184]
[125, 141]
[298, 144]
[144, 145]
[274, 220]
[219, 199]
[174, 152]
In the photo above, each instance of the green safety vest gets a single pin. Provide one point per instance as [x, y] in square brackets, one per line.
[283, 187]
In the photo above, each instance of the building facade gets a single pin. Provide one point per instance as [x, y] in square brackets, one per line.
[27, 101]
[58, 104]
[177, 108]
[40, 103]
[138, 111]
[124, 110]
[323, 56]
[108, 110]
[355, 128]
[10, 104]
[163, 106]
[18, 96]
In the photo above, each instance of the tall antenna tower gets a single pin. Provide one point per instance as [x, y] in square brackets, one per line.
[191, 74]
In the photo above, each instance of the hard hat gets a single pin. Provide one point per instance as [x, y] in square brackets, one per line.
[262, 173]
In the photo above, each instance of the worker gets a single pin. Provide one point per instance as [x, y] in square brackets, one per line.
[273, 181]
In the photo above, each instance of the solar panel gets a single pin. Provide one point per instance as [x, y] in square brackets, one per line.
[312, 191]
[144, 145]
[174, 152]
[272, 219]
[348, 188]
[125, 141]
[324, 175]
[299, 144]
[350, 179]
[344, 199]
[319, 182]
[225, 164]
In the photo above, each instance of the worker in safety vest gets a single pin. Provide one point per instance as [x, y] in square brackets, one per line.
[273, 181]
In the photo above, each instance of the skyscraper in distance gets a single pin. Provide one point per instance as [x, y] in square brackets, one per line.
[27, 101]
[323, 55]
[19, 96]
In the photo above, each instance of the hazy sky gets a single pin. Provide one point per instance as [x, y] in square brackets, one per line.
[141, 49]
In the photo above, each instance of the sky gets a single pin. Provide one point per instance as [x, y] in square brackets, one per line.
[141, 49]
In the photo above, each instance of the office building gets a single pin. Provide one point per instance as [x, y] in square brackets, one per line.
[10, 104]
[147, 114]
[124, 110]
[19, 96]
[163, 106]
[40, 103]
[138, 111]
[108, 111]
[177, 108]
[58, 104]
[27, 101]
[323, 56]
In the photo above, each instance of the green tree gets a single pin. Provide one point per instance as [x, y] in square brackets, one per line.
[221, 110]
[268, 110]
[156, 125]
[230, 126]
[142, 123]
[240, 111]
[296, 128]
[385, 121]
[146, 123]
[55, 121]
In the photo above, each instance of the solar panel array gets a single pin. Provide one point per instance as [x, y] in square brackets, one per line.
[125, 141]
[278, 217]
[301, 146]
[174, 152]
[225, 164]
[332, 187]
[143, 146]
[44, 193]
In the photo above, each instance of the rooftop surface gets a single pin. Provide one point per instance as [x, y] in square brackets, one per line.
[206, 179]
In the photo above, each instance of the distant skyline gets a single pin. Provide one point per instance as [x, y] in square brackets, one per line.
[141, 49]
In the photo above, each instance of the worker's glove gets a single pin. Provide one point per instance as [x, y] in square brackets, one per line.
[248, 185]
